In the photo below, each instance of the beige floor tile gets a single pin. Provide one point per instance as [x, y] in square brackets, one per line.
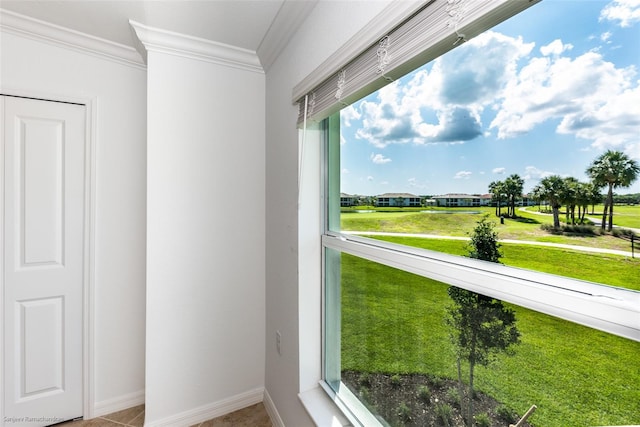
[125, 416]
[96, 422]
[138, 421]
[252, 416]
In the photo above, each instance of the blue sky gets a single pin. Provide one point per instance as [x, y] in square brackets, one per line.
[544, 93]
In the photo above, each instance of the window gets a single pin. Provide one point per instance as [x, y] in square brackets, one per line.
[386, 306]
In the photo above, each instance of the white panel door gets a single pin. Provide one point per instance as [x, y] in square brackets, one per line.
[43, 153]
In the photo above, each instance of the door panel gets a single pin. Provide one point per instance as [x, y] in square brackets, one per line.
[41, 172]
[43, 260]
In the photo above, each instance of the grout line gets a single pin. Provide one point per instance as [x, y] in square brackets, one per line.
[114, 422]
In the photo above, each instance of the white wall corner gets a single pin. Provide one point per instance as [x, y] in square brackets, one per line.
[276, 420]
[119, 403]
[171, 43]
[56, 35]
[210, 411]
[289, 18]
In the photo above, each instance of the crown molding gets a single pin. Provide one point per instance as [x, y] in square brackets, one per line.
[171, 43]
[287, 21]
[35, 29]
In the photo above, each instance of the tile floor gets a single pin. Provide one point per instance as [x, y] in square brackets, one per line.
[252, 416]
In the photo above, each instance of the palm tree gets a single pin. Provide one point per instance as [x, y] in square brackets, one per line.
[496, 188]
[513, 186]
[570, 197]
[537, 196]
[583, 198]
[613, 169]
[551, 189]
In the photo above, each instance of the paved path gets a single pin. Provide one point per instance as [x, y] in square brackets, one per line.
[518, 242]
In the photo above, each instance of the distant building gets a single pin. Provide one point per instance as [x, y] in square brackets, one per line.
[348, 200]
[455, 200]
[398, 200]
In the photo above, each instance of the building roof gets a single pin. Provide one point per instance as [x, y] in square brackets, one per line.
[398, 195]
[457, 196]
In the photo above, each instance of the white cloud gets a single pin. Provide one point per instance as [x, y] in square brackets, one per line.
[556, 47]
[499, 171]
[609, 123]
[379, 159]
[590, 97]
[443, 104]
[369, 178]
[415, 183]
[532, 172]
[606, 36]
[349, 113]
[462, 175]
[627, 12]
[345, 171]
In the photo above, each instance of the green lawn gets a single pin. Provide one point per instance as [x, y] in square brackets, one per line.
[623, 216]
[611, 270]
[392, 322]
[525, 227]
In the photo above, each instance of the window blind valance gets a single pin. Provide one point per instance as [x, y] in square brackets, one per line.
[435, 28]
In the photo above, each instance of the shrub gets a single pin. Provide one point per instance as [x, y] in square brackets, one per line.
[506, 414]
[444, 413]
[396, 380]
[404, 412]
[365, 395]
[365, 379]
[620, 232]
[437, 382]
[453, 395]
[424, 393]
[483, 420]
[583, 229]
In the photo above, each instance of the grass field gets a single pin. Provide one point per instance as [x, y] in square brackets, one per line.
[393, 322]
[623, 216]
[611, 270]
[525, 227]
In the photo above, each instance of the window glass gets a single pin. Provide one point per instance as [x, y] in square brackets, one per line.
[398, 357]
[505, 134]
[515, 124]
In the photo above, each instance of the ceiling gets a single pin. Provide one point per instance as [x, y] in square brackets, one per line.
[240, 23]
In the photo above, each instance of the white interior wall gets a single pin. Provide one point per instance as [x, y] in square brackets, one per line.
[205, 231]
[292, 307]
[37, 68]
[204, 324]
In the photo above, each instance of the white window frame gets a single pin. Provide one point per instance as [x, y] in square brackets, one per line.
[606, 308]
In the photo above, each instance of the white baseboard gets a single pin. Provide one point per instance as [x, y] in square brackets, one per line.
[212, 410]
[272, 411]
[119, 403]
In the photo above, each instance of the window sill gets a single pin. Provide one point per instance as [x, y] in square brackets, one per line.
[322, 410]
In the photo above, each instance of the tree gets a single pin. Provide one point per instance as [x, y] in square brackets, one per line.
[551, 189]
[569, 197]
[496, 188]
[481, 327]
[513, 186]
[537, 196]
[612, 169]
